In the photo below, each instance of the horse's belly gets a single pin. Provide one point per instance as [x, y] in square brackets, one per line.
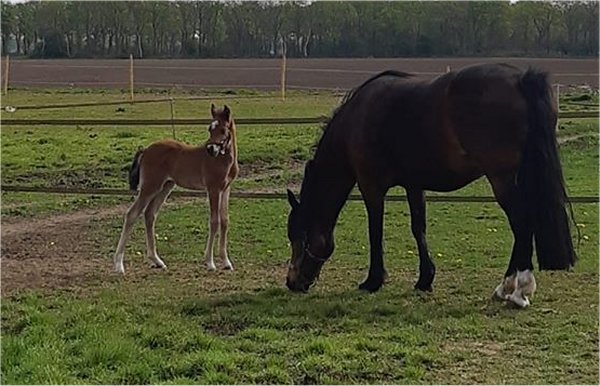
[439, 176]
[190, 183]
[449, 183]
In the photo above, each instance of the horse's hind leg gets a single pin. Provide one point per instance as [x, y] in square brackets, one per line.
[133, 213]
[150, 215]
[518, 284]
[416, 202]
[214, 198]
[224, 219]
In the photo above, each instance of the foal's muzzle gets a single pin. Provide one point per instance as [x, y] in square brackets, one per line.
[213, 149]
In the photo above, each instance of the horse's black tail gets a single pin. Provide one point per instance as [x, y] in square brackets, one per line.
[540, 177]
[134, 171]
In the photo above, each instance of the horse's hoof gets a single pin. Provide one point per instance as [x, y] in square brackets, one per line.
[371, 285]
[211, 267]
[498, 294]
[120, 269]
[518, 301]
[228, 268]
[423, 287]
[157, 263]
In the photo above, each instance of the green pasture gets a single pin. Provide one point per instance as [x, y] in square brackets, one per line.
[187, 325]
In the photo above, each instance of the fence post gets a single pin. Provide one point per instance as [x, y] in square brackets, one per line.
[172, 117]
[131, 77]
[448, 69]
[283, 70]
[6, 72]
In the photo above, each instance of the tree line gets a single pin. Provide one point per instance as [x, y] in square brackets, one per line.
[183, 29]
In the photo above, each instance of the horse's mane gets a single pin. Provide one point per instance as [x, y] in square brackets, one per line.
[352, 93]
[345, 101]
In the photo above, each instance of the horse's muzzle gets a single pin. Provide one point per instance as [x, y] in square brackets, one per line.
[213, 150]
[296, 287]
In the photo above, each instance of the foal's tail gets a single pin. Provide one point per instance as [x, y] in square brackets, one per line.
[134, 171]
[540, 177]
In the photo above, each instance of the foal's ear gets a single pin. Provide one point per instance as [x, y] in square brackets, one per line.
[213, 110]
[292, 199]
[226, 112]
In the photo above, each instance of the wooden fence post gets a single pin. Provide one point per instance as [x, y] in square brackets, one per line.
[283, 70]
[6, 74]
[131, 77]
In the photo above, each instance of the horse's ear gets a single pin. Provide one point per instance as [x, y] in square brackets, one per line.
[292, 199]
[213, 110]
[226, 112]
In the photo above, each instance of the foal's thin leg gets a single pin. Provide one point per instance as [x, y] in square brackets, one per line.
[518, 284]
[224, 218]
[133, 213]
[374, 202]
[214, 198]
[416, 202]
[150, 218]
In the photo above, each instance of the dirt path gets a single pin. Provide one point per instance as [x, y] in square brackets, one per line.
[53, 252]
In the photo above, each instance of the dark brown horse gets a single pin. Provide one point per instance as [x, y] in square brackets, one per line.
[490, 120]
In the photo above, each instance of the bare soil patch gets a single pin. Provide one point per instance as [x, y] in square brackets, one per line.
[62, 253]
[53, 252]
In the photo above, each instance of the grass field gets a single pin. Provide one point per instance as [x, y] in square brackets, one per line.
[83, 324]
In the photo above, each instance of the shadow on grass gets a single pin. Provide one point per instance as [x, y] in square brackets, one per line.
[279, 309]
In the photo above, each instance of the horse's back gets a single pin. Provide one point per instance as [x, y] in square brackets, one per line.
[437, 135]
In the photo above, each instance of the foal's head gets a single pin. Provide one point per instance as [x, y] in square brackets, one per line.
[220, 131]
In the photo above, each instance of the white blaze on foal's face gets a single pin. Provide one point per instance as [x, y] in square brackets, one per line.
[219, 137]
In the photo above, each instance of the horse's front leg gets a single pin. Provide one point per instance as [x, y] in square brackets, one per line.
[214, 198]
[416, 202]
[374, 201]
[224, 216]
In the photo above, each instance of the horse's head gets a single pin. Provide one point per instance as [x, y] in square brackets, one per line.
[310, 249]
[219, 130]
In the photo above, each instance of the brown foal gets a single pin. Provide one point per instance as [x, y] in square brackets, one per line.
[164, 164]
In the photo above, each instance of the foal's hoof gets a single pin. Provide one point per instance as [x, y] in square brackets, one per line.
[228, 267]
[211, 267]
[157, 263]
[120, 269]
